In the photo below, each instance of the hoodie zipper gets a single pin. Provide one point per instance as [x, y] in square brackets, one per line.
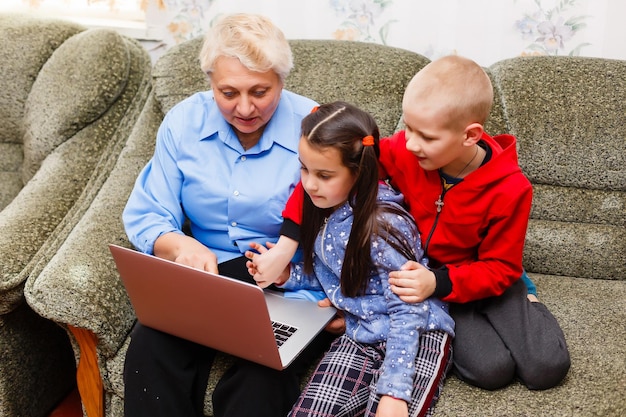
[439, 203]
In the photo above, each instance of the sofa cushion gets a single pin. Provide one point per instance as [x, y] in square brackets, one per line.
[570, 131]
[594, 386]
[11, 157]
[86, 75]
[19, 66]
[177, 74]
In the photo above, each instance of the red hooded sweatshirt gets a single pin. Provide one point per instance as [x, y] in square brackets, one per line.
[475, 239]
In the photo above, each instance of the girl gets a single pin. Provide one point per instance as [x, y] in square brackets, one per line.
[393, 357]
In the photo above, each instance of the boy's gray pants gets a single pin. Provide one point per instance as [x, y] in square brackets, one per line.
[501, 338]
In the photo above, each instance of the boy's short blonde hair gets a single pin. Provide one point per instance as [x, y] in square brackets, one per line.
[259, 45]
[455, 85]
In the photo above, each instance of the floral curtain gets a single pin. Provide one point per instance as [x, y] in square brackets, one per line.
[484, 30]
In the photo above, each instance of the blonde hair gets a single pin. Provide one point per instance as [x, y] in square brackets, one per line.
[455, 85]
[259, 45]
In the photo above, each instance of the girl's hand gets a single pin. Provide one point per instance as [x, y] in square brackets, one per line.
[271, 265]
[264, 280]
[258, 250]
[413, 283]
[392, 407]
[266, 256]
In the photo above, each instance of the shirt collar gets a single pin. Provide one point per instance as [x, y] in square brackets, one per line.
[279, 130]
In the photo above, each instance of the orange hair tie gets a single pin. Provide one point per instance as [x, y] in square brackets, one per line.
[314, 109]
[368, 140]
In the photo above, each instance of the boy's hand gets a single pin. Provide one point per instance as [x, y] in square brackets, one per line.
[413, 283]
[392, 407]
[337, 325]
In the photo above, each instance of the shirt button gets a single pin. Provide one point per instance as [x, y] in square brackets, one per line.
[233, 224]
[243, 158]
[236, 193]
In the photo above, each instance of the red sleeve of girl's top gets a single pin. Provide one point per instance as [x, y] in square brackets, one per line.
[293, 208]
[392, 151]
[385, 159]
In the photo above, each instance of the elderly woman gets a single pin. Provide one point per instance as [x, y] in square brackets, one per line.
[211, 149]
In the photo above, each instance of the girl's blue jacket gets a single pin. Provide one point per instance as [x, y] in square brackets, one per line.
[379, 315]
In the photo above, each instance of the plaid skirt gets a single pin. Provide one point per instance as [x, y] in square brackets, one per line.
[344, 383]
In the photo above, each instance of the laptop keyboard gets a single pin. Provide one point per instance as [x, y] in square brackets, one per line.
[282, 332]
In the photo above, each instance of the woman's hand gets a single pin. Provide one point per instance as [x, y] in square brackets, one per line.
[413, 283]
[185, 250]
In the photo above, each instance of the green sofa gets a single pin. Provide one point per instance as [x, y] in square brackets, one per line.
[68, 99]
[568, 114]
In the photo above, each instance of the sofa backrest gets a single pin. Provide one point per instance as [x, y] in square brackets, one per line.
[568, 114]
[371, 76]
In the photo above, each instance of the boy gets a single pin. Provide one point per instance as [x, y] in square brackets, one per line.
[471, 203]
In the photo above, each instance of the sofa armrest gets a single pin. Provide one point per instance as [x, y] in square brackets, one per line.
[80, 286]
[30, 220]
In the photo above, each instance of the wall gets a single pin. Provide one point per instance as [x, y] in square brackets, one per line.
[483, 30]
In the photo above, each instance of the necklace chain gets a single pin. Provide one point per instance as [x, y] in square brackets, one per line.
[468, 164]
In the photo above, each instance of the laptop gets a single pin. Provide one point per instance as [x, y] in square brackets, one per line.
[223, 313]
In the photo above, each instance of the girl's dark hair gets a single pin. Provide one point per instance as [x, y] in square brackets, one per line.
[343, 126]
